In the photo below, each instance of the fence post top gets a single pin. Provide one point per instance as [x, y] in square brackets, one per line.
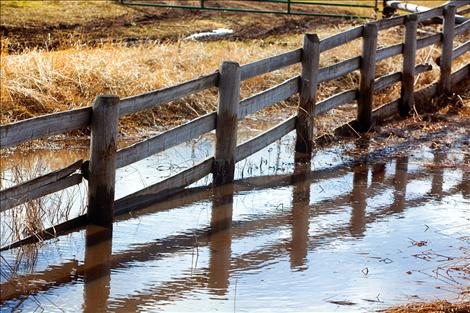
[107, 97]
[106, 100]
[312, 37]
[370, 30]
[371, 25]
[450, 8]
[411, 18]
[226, 64]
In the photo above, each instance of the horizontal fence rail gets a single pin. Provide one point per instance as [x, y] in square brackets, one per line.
[43, 126]
[166, 140]
[58, 123]
[40, 186]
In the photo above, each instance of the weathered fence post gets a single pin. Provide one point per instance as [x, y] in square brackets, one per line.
[308, 93]
[227, 116]
[102, 169]
[409, 61]
[366, 88]
[445, 63]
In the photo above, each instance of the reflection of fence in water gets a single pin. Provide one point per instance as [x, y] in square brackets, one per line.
[218, 237]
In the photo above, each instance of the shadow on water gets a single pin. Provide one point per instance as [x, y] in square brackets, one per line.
[231, 246]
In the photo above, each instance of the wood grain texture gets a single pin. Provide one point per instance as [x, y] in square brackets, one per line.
[339, 69]
[387, 23]
[461, 50]
[270, 64]
[430, 14]
[47, 125]
[18, 194]
[41, 190]
[102, 168]
[166, 140]
[461, 75]
[445, 63]
[409, 60]
[386, 111]
[269, 97]
[227, 117]
[366, 88]
[163, 189]
[341, 38]
[308, 94]
[388, 52]
[385, 81]
[263, 140]
[156, 98]
[462, 28]
[428, 41]
[334, 101]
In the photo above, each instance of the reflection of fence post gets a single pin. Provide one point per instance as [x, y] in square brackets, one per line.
[438, 174]
[400, 181]
[97, 268]
[445, 62]
[366, 88]
[102, 169]
[359, 200]
[227, 116]
[465, 184]
[220, 239]
[308, 92]
[409, 60]
[300, 215]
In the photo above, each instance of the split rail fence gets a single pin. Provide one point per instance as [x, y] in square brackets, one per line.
[103, 116]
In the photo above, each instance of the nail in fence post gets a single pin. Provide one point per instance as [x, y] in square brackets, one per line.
[366, 88]
[308, 93]
[102, 170]
[227, 116]
[447, 46]
[409, 61]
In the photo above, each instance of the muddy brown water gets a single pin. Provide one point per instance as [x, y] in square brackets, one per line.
[343, 233]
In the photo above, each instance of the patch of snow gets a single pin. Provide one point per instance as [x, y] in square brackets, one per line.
[220, 32]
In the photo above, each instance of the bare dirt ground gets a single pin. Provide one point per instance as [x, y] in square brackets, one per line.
[57, 25]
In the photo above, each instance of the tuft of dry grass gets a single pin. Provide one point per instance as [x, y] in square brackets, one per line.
[436, 307]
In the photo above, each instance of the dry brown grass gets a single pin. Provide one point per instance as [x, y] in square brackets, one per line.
[436, 307]
[39, 82]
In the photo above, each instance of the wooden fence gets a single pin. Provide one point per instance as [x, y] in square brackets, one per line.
[103, 116]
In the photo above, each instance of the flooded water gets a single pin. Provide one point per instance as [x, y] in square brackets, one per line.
[349, 232]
